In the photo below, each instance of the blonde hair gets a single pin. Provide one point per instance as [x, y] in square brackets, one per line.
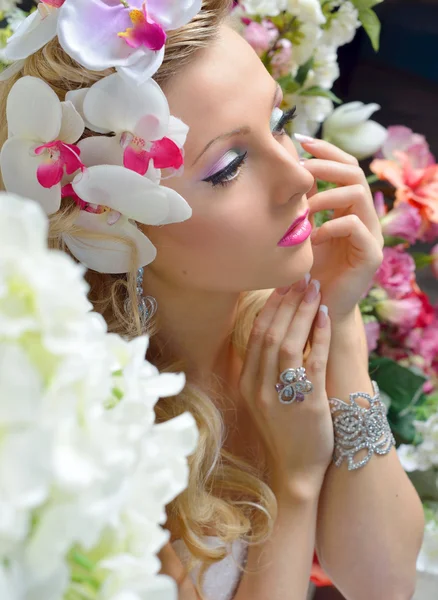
[224, 492]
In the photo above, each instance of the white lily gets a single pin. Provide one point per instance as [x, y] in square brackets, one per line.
[349, 128]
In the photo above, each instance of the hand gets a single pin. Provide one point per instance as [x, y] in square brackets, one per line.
[172, 566]
[298, 437]
[347, 249]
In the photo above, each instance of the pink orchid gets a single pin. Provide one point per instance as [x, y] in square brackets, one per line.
[138, 117]
[129, 35]
[396, 274]
[403, 221]
[60, 158]
[258, 37]
[416, 186]
[53, 3]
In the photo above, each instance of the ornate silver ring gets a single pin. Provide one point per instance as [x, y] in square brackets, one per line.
[293, 386]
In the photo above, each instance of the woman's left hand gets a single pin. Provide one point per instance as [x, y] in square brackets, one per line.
[347, 249]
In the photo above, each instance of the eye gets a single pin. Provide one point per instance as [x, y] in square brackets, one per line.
[280, 119]
[228, 173]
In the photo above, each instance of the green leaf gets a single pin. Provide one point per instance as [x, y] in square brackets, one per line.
[288, 84]
[372, 179]
[303, 71]
[318, 91]
[402, 427]
[403, 386]
[421, 259]
[365, 4]
[371, 24]
[391, 240]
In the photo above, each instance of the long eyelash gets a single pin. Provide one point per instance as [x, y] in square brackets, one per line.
[285, 120]
[220, 178]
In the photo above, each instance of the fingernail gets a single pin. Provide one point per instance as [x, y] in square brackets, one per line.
[321, 320]
[283, 290]
[312, 291]
[301, 285]
[303, 139]
[303, 161]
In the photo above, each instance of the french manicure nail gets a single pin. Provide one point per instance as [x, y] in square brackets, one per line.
[302, 284]
[321, 321]
[312, 291]
[304, 139]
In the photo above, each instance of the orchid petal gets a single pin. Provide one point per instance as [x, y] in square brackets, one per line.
[87, 31]
[106, 255]
[123, 190]
[117, 105]
[34, 33]
[362, 141]
[172, 14]
[351, 114]
[12, 70]
[144, 67]
[100, 150]
[19, 165]
[77, 97]
[72, 124]
[33, 110]
[179, 210]
[177, 131]
[166, 154]
[136, 160]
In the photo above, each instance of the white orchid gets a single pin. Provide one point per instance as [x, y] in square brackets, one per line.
[85, 473]
[349, 128]
[425, 455]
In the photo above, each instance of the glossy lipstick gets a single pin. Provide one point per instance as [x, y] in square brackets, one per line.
[297, 233]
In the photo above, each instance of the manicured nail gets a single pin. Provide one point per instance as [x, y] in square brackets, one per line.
[303, 161]
[303, 139]
[301, 285]
[312, 291]
[321, 320]
[283, 290]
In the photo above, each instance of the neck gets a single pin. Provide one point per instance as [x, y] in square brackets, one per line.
[196, 325]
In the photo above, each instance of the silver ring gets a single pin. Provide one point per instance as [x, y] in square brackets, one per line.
[293, 386]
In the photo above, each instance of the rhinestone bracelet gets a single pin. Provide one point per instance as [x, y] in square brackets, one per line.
[357, 428]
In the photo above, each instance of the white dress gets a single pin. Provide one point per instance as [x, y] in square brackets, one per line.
[221, 579]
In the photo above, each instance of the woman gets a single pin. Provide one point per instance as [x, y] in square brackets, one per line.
[263, 490]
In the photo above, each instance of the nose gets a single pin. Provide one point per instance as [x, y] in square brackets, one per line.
[288, 177]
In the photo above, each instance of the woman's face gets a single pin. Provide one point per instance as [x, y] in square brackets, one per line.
[242, 178]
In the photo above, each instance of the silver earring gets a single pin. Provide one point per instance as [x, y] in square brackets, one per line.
[147, 305]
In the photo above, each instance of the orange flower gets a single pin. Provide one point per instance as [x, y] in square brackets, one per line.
[417, 186]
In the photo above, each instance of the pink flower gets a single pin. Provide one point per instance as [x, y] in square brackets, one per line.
[434, 254]
[404, 221]
[431, 233]
[372, 330]
[397, 272]
[415, 185]
[281, 59]
[258, 37]
[403, 312]
[414, 145]
[379, 204]
[58, 157]
[424, 342]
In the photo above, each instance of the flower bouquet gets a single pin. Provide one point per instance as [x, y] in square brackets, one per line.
[85, 472]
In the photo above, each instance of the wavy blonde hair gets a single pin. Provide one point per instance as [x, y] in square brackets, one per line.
[224, 491]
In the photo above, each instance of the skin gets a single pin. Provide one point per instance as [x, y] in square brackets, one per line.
[230, 246]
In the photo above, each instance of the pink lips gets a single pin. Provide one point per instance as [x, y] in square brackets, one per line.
[298, 232]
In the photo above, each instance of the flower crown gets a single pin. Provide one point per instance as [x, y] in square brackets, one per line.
[113, 178]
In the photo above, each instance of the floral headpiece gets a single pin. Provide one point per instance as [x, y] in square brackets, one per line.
[114, 179]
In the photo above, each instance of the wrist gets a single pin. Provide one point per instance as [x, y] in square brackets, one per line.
[299, 490]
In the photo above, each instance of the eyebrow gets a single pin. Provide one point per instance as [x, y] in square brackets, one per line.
[240, 130]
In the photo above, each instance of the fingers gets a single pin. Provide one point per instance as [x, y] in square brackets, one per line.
[336, 172]
[316, 362]
[269, 328]
[354, 199]
[295, 339]
[327, 151]
[362, 242]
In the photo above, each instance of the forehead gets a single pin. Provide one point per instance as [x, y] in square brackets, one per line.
[225, 87]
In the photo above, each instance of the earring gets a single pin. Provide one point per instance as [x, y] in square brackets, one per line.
[147, 305]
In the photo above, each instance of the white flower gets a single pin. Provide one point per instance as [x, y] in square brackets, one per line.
[303, 51]
[428, 558]
[325, 70]
[7, 5]
[269, 8]
[307, 11]
[349, 129]
[343, 26]
[311, 112]
[425, 455]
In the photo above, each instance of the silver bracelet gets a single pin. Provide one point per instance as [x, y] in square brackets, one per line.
[357, 428]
